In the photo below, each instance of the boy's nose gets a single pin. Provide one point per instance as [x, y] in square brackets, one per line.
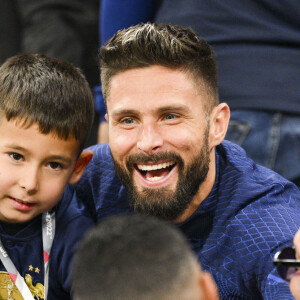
[29, 181]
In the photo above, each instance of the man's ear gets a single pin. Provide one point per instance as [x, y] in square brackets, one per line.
[219, 120]
[208, 286]
[83, 160]
[106, 117]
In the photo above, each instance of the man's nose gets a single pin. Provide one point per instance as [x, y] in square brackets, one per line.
[150, 139]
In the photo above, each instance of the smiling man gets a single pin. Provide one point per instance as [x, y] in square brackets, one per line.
[166, 157]
[161, 142]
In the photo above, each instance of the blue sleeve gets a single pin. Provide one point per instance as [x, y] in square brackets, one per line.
[273, 230]
[63, 250]
[276, 288]
[120, 14]
[72, 222]
[113, 16]
[100, 107]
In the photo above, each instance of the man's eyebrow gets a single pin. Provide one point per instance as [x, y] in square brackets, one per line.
[121, 112]
[181, 108]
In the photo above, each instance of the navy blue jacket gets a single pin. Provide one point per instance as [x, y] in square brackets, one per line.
[26, 251]
[250, 213]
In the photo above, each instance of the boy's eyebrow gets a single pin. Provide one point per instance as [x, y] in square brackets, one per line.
[54, 157]
[16, 147]
[61, 158]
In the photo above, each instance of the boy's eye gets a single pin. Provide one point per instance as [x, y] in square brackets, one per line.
[16, 156]
[55, 165]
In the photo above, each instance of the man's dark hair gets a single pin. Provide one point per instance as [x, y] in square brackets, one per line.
[165, 45]
[134, 257]
[47, 91]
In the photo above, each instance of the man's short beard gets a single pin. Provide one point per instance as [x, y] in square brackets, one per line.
[162, 202]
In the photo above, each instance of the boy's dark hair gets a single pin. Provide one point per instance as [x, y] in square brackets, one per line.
[165, 45]
[134, 257]
[53, 93]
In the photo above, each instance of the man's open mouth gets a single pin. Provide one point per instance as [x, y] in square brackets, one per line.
[155, 172]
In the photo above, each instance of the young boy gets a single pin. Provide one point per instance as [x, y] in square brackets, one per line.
[46, 112]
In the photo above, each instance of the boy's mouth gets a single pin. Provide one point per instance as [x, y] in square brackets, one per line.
[155, 172]
[22, 202]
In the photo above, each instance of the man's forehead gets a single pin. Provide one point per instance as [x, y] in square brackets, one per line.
[154, 83]
[154, 76]
[151, 69]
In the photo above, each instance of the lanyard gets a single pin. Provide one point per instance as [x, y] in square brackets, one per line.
[48, 231]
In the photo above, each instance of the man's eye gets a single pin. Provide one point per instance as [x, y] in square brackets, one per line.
[170, 116]
[128, 121]
[55, 165]
[16, 156]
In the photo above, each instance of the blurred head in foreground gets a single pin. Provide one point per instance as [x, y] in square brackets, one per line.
[138, 257]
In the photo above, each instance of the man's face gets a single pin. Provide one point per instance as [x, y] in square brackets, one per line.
[34, 170]
[159, 138]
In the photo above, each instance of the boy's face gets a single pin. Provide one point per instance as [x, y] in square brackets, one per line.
[34, 170]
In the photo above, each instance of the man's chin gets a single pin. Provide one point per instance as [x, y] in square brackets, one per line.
[159, 202]
[171, 198]
[144, 187]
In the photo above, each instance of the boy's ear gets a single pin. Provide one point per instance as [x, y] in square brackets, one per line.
[83, 160]
[106, 117]
[208, 286]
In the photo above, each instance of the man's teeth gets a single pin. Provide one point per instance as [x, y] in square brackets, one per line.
[155, 167]
[155, 178]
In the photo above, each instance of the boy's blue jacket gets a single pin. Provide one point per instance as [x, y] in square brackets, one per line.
[26, 251]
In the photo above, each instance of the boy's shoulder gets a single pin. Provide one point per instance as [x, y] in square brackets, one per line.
[70, 208]
[102, 156]
[99, 187]
[72, 222]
